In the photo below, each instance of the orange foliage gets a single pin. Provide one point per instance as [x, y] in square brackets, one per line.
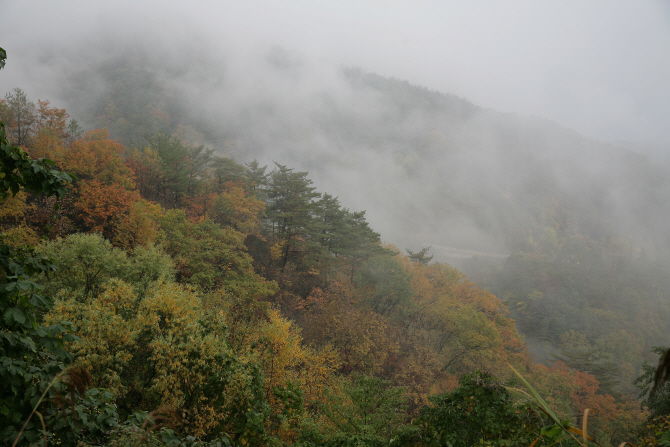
[233, 207]
[199, 207]
[570, 392]
[333, 317]
[45, 144]
[96, 157]
[100, 204]
[51, 131]
[52, 118]
[448, 327]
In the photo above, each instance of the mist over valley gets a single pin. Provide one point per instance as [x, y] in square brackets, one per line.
[552, 204]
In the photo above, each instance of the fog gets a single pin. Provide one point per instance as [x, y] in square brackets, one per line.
[597, 67]
[266, 80]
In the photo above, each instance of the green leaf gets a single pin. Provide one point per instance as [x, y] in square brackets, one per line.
[538, 399]
[16, 314]
[551, 431]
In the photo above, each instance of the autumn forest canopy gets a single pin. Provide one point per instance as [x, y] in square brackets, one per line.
[161, 285]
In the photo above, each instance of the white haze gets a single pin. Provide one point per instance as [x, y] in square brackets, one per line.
[600, 68]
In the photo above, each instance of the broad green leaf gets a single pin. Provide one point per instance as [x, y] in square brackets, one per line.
[16, 314]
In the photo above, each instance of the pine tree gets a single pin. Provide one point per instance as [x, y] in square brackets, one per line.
[224, 170]
[181, 168]
[420, 256]
[291, 211]
[257, 178]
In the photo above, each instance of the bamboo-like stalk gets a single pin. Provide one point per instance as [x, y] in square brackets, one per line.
[584, 422]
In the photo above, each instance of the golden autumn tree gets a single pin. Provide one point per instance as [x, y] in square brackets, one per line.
[151, 341]
[52, 131]
[161, 351]
[291, 370]
[140, 225]
[101, 205]
[233, 206]
[15, 230]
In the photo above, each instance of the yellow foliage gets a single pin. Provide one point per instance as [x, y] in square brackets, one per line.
[45, 144]
[160, 351]
[13, 221]
[20, 235]
[447, 328]
[14, 207]
[285, 360]
[277, 250]
[238, 208]
[107, 338]
[139, 226]
[262, 335]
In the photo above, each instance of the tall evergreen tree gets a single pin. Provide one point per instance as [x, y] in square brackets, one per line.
[330, 223]
[291, 211]
[257, 177]
[360, 242]
[224, 170]
[181, 168]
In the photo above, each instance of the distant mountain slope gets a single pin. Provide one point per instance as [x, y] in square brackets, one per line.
[430, 168]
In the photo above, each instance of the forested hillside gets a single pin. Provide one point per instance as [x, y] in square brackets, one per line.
[185, 296]
[584, 221]
[479, 179]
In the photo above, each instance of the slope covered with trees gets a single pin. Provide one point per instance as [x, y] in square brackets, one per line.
[178, 296]
[212, 301]
[584, 221]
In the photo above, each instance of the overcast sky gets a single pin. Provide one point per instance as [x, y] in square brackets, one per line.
[599, 67]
